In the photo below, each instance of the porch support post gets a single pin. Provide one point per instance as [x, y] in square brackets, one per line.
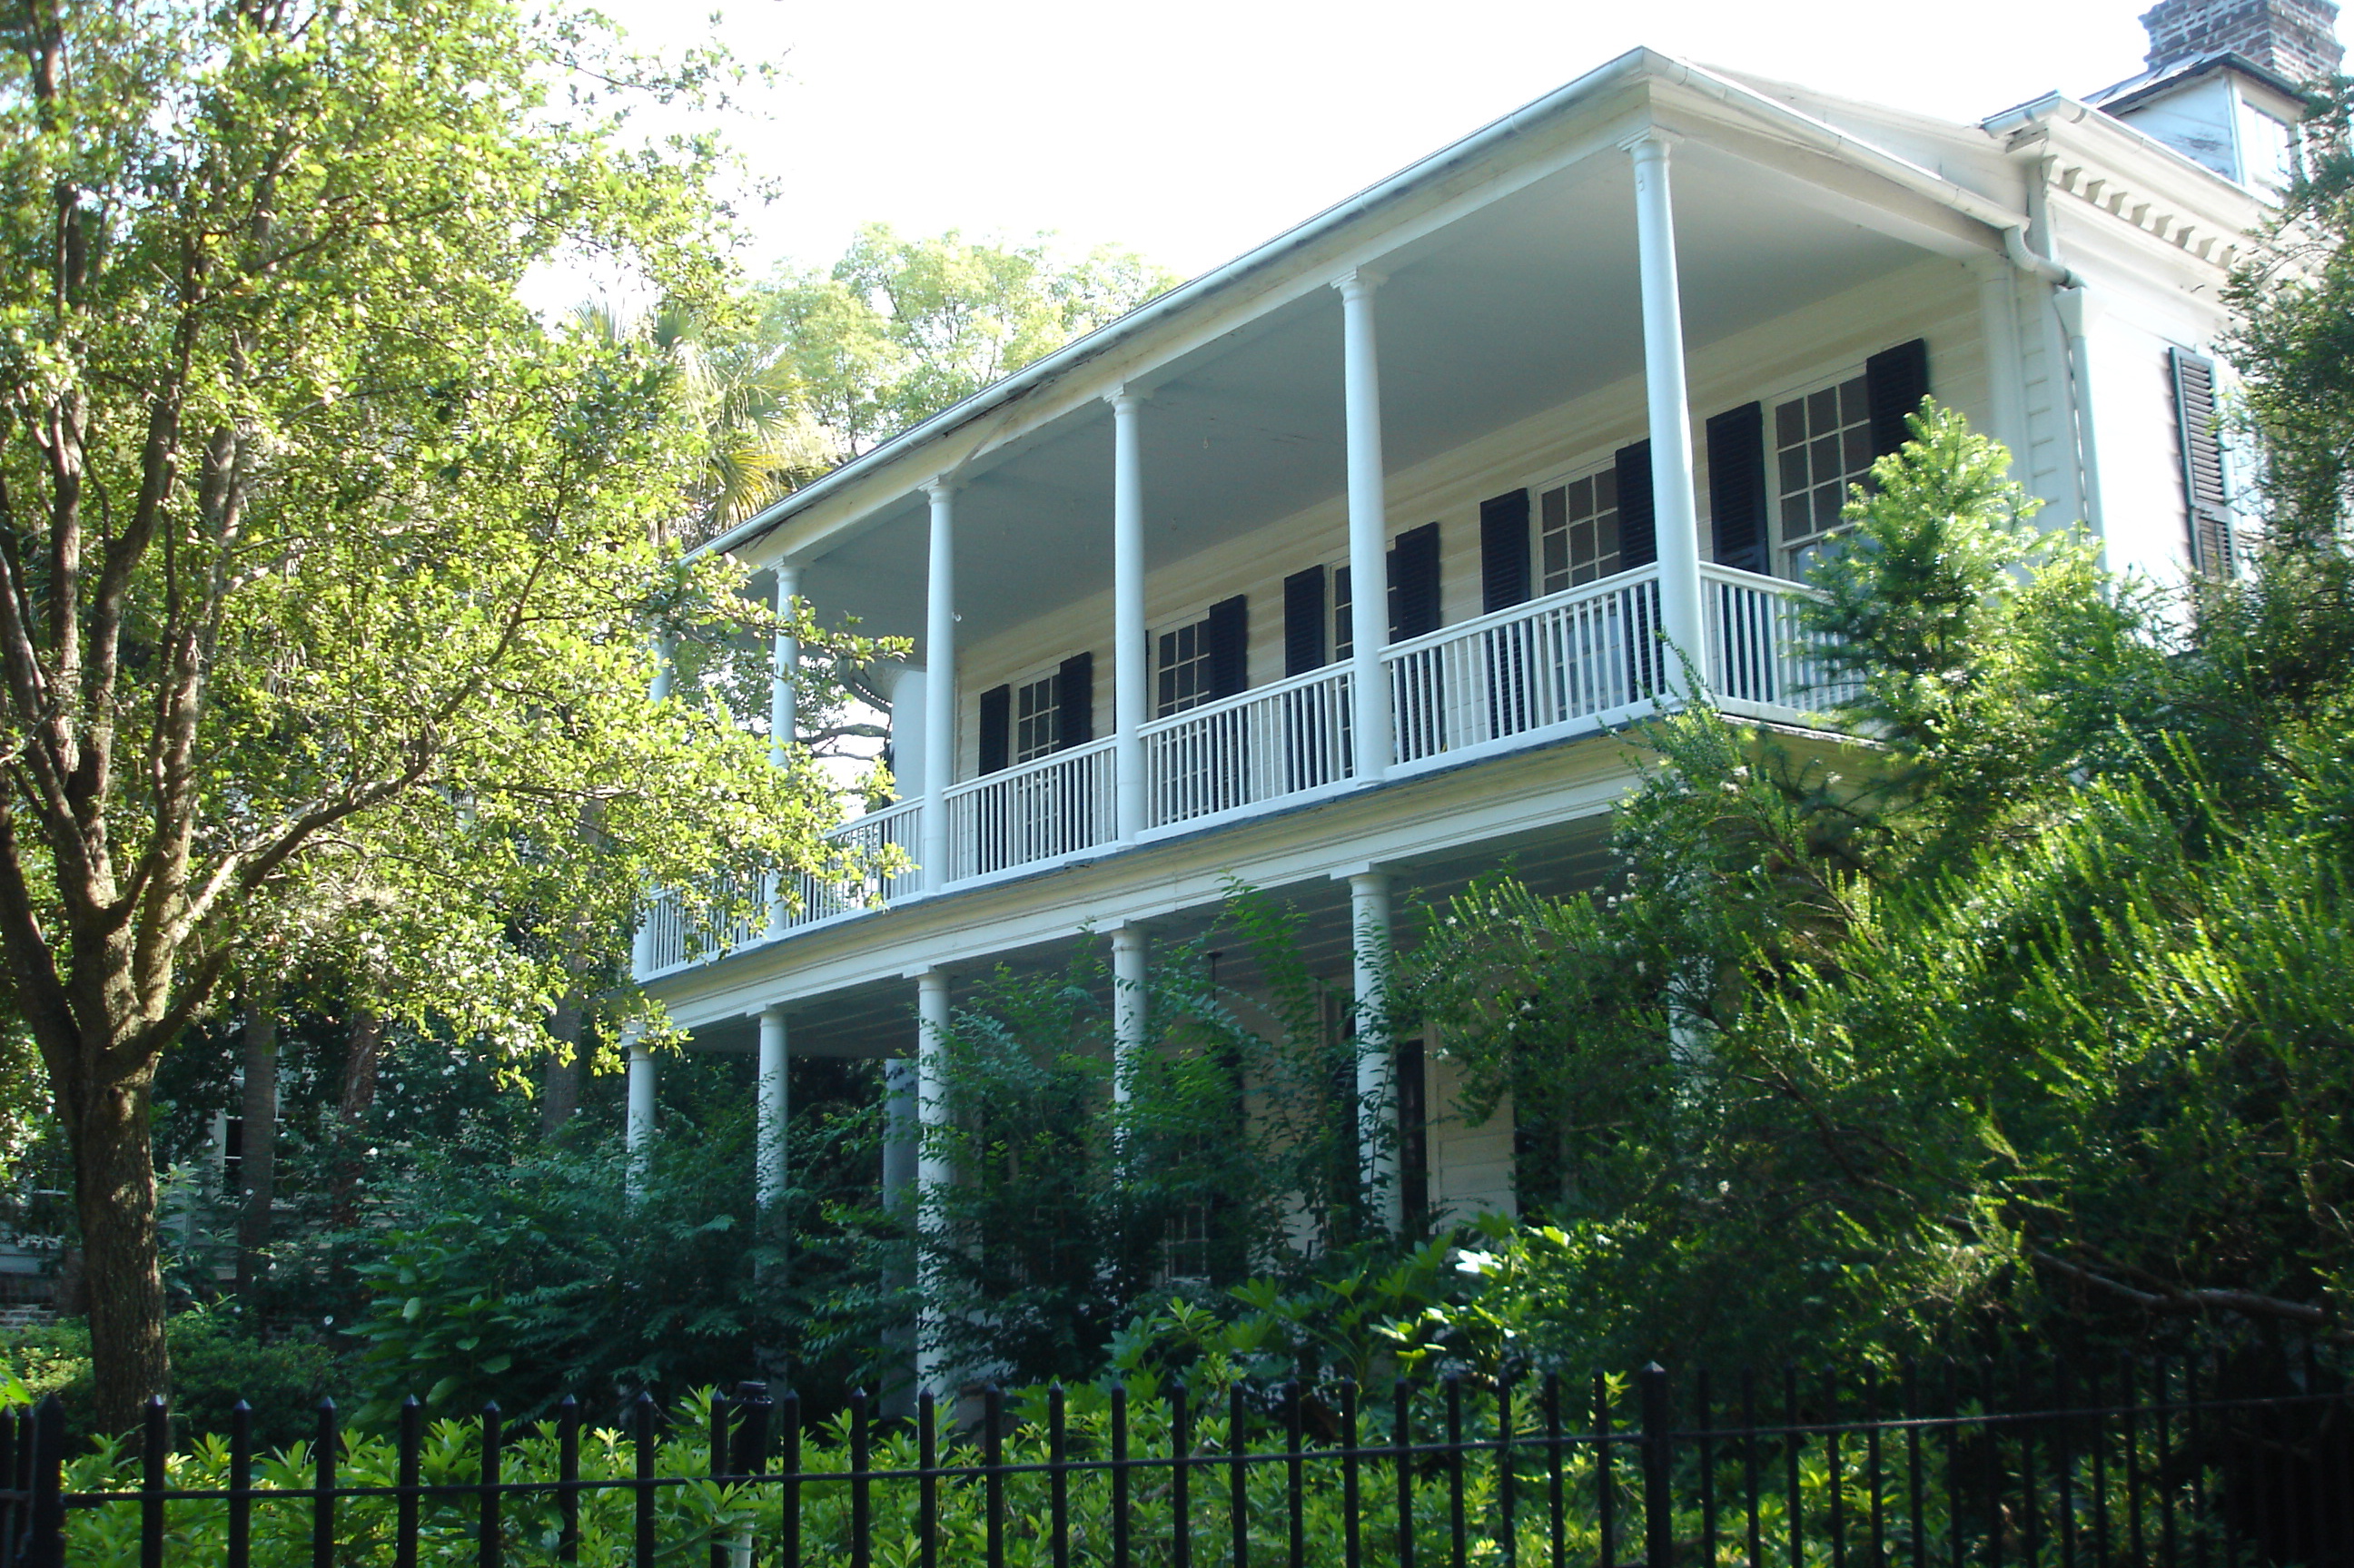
[939, 686]
[784, 715]
[899, 1147]
[784, 671]
[1128, 1006]
[1130, 649]
[665, 670]
[1673, 505]
[638, 1129]
[1369, 622]
[2006, 384]
[775, 1106]
[1369, 943]
[933, 1173]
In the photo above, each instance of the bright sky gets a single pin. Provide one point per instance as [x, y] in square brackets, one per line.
[1192, 132]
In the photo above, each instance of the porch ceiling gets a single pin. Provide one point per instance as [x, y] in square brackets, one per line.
[1521, 305]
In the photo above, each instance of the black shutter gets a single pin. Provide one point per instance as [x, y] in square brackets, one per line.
[2203, 494]
[1639, 536]
[996, 729]
[1894, 382]
[1503, 551]
[1414, 583]
[1736, 486]
[1303, 621]
[1229, 628]
[1075, 701]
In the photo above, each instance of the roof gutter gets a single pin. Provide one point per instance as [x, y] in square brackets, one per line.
[1189, 294]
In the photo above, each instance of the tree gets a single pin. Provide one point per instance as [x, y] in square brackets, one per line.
[899, 329]
[325, 570]
[2029, 1011]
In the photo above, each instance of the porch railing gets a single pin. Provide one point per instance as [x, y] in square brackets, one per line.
[1511, 677]
[1534, 666]
[872, 839]
[1246, 750]
[1756, 650]
[1041, 810]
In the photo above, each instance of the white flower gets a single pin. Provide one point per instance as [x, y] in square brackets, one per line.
[1475, 1261]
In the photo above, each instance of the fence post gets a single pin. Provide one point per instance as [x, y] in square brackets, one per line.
[45, 1536]
[1659, 1506]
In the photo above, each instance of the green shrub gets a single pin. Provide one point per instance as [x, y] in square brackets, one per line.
[216, 1361]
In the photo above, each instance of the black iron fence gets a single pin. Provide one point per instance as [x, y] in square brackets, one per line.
[2204, 1463]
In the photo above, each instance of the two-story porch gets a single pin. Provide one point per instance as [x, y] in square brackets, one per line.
[1583, 393]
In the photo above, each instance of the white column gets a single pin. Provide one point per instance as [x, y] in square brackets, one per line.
[2078, 312]
[1129, 1011]
[898, 1177]
[1369, 576]
[1130, 681]
[665, 670]
[939, 688]
[1675, 512]
[638, 1134]
[1369, 944]
[932, 1170]
[775, 1106]
[642, 940]
[784, 670]
[784, 733]
[2006, 380]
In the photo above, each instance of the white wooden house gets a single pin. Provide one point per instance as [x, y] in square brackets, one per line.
[1590, 382]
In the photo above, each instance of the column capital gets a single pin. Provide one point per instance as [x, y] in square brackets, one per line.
[1359, 281]
[1125, 396]
[1363, 868]
[1654, 140]
[777, 1010]
[939, 488]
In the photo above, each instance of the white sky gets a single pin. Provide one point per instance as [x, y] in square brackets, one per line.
[1190, 133]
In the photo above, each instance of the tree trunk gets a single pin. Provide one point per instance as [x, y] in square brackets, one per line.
[353, 1105]
[257, 1147]
[560, 1086]
[114, 1190]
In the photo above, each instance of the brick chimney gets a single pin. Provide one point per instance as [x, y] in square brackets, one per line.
[2294, 38]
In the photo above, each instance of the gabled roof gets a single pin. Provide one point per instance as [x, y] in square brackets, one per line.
[2151, 84]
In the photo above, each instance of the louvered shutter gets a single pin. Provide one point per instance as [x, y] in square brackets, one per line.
[1229, 628]
[1736, 486]
[1638, 539]
[2202, 464]
[1075, 701]
[1503, 551]
[1414, 583]
[1894, 382]
[1303, 621]
[996, 729]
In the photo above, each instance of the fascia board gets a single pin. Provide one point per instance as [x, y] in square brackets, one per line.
[2079, 134]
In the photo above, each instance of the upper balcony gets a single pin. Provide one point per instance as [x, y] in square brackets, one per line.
[1601, 430]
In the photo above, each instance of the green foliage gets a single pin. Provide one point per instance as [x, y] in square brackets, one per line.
[2030, 1009]
[215, 1363]
[2293, 341]
[1072, 1210]
[529, 1275]
[898, 329]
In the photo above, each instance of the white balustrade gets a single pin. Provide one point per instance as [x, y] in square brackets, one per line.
[874, 866]
[1043, 810]
[1261, 746]
[1550, 661]
[1759, 654]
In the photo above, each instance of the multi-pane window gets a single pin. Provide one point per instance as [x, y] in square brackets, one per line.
[1578, 538]
[1037, 717]
[1822, 444]
[1183, 669]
